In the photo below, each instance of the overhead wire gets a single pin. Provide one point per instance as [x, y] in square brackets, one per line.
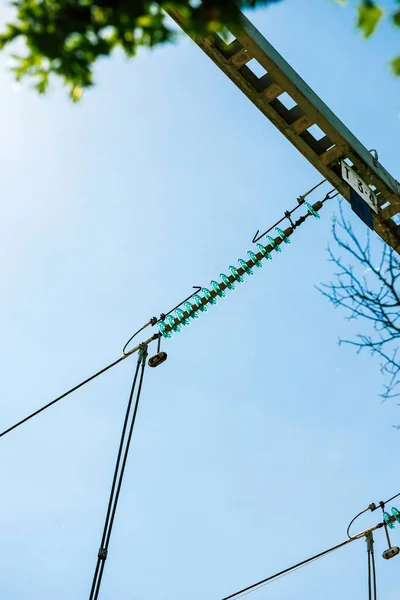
[174, 322]
[125, 442]
[276, 578]
[392, 498]
[79, 385]
[372, 507]
[119, 470]
[356, 517]
[373, 573]
[301, 201]
[371, 567]
[271, 578]
[369, 575]
[280, 574]
[64, 395]
[152, 321]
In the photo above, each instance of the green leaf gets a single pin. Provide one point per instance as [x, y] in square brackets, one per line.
[43, 83]
[369, 15]
[396, 18]
[67, 37]
[76, 93]
[395, 64]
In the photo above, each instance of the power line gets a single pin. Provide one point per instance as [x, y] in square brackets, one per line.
[173, 323]
[276, 578]
[392, 498]
[76, 387]
[373, 572]
[303, 563]
[372, 507]
[285, 571]
[371, 566]
[152, 321]
[182, 317]
[119, 471]
[369, 574]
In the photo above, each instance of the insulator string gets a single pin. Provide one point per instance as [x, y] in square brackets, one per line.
[173, 322]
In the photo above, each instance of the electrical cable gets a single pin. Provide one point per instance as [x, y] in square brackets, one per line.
[369, 573]
[288, 570]
[372, 507]
[173, 323]
[119, 471]
[356, 517]
[303, 563]
[390, 499]
[209, 297]
[288, 213]
[116, 469]
[276, 578]
[152, 321]
[81, 384]
[373, 571]
[369, 538]
[76, 387]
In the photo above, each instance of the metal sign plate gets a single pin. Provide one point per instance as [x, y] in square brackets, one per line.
[359, 186]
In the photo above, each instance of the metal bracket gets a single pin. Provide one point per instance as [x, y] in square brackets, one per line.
[325, 153]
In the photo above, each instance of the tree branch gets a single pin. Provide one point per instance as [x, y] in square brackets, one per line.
[368, 289]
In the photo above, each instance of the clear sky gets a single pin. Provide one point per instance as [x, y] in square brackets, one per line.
[259, 439]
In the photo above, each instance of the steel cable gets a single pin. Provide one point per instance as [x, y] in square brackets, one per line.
[119, 471]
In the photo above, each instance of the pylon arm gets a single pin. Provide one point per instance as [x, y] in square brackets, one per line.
[325, 153]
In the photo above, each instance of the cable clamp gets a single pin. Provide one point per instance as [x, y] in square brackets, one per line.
[142, 354]
[288, 216]
[102, 554]
[330, 195]
[370, 540]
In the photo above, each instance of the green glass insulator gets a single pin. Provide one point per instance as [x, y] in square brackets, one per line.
[171, 321]
[244, 266]
[180, 314]
[253, 257]
[216, 288]
[161, 328]
[236, 275]
[272, 243]
[396, 514]
[226, 281]
[264, 251]
[207, 295]
[282, 235]
[312, 212]
[198, 301]
[189, 308]
[386, 518]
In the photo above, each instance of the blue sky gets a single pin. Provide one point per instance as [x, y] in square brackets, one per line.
[259, 438]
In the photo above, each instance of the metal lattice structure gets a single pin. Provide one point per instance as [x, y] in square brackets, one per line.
[336, 143]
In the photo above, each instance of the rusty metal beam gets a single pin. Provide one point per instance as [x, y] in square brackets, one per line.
[325, 153]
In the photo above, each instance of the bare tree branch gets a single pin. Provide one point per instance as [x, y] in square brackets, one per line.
[369, 290]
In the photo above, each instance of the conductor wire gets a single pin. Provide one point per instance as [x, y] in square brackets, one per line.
[119, 470]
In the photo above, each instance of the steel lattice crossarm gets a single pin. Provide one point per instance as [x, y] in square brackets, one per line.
[337, 143]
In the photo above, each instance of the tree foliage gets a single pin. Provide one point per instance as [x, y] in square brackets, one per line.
[66, 37]
[369, 290]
